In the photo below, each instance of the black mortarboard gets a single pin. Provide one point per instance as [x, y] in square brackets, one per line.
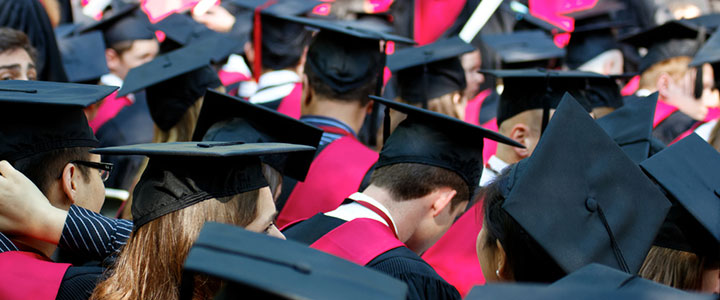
[604, 92]
[593, 33]
[225, 118]
[183, 30]
[181, 174]
[710, 21]
[631, 127]
[263, 267]
[538, 89]
[127, 23]
[431, 138]
[709, 52]
[430, 71]
[345, 55]
[83, 56]
[173, 82]
[688, 170]
[39, 116]
[522, 47]
[672, 39]
[610, 210]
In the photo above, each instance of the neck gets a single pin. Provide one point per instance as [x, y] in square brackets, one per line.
[348, 112]
[407, 214]
[33, 245]
[507, 154]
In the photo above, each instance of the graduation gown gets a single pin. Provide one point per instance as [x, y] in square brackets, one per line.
[373, 244]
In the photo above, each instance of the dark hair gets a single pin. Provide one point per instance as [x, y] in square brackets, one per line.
[359, 94]
[11, 39]
[407, 181]
[273, 177]
[283, 42]
[44, 167]
[527, 260]
[122, 46]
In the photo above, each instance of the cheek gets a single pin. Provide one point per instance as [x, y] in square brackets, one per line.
[711, 281]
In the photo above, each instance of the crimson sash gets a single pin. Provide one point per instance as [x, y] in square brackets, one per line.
[472, 110]
[290, 105]
[359, 241]
[27, 275]
[335, 173]
[454, 256]
[662, 112]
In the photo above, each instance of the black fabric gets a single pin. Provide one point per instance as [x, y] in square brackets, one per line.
[283, 42]
[584, 46]
[604, 92]
[125, 23]
[83, 57]
[170, 99]
[132, 125]
[423, 83]
[527, 46]
[288, 184]
[631, 127]
[183, 30]
[29, 16]
[671, 39]
[709, 53]
[79, 282]
[489, 108]
[672, 127]
[310, 230]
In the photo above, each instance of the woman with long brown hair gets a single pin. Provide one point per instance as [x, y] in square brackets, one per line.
[184, 186]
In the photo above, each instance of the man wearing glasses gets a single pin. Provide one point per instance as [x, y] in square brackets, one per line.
[44, 134]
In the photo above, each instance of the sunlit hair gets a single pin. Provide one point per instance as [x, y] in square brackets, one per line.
[676, 67]
[150, 264]
[679, 269]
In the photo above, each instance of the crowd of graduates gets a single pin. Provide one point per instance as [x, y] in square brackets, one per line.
[359, 149]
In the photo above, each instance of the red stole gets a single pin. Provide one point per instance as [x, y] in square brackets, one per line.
[290, 105]
[662, 112]
[109, 108]
[227, 78]
[26, 275]
[472, 111]
[713, 113]
[335, 173]
[359, 241]
[433, 18]
[454, 256]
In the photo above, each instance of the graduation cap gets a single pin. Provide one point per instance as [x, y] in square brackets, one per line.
[173, 82]
[524, 20]
[631, 127]
[688, 171]
[709, 53]
[430, 71]
[431, 138]
[226, 118]
[610, 210]
[40, 116]
[83, 56]
[540, 89]
[523, 47]
[255, 265]
[593, 32]
[181, 174]
[182, 30]
[604, 92]
[672, 39]
[126, 23]
[345, 55]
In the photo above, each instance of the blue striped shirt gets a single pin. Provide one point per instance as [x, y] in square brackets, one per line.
[327, 137]
[6, 244]
[93, 235]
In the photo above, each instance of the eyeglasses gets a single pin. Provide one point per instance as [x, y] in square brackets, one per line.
[104, 168]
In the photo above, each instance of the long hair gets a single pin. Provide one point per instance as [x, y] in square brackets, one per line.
[150, 265]
[679, 269]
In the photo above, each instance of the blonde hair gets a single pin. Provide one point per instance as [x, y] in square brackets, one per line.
[675, 268]
[676, 67]
[150, 264]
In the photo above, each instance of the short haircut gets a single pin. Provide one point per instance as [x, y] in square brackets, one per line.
[44, 167]
[11, 39]
[122, 46]
[359, 94]
[676, 67]
[406, 181]
[527, 260]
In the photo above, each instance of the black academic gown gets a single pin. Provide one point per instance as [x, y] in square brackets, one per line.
[79, 282]
[673, 126]
[422, 281]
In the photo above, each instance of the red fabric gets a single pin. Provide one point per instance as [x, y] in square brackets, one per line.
[290, 105]
[631, 87]
[472, 111]
[433, 18]
[359, 241]
[257, 39]
[334, 174]
[713, 114]
[110, 107]
[454, 256]
[489, 146]
[662, 111]
[27, 275]
[156, 10]
[380, 213]
[228, 78]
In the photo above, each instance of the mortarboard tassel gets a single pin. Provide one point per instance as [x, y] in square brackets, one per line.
[257, 39]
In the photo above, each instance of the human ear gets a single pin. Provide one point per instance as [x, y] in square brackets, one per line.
[69, 182]
[442, 201]
[520, 133]
[503, 270]
[663, 86]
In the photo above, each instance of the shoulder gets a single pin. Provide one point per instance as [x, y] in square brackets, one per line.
[79, 282]
[310, 230]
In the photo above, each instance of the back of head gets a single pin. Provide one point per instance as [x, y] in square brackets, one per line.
[283, 43]
[679, 269]
[407, 181]
[342, 67]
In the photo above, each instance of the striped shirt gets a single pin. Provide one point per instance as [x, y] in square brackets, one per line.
[6, 244]
[93, 235]
[327, 137]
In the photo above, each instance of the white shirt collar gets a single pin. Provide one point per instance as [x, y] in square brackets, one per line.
[111, 79]
[351, 211]
[497, 164]
[643, 93]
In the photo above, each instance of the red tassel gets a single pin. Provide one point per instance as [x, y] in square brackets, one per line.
[257, 39]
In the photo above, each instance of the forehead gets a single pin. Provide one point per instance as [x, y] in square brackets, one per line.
[15, 56]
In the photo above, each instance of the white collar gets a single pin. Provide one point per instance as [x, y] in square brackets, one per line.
[111, 79]
[496, 164]
[643, 93]
[351, 211]
[279, 77]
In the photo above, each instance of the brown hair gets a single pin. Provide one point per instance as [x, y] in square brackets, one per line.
[407, 181]
[359, 94]
[150, 264]
[676, 67]
[675, 268]
[11, 39]
[45, 167]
